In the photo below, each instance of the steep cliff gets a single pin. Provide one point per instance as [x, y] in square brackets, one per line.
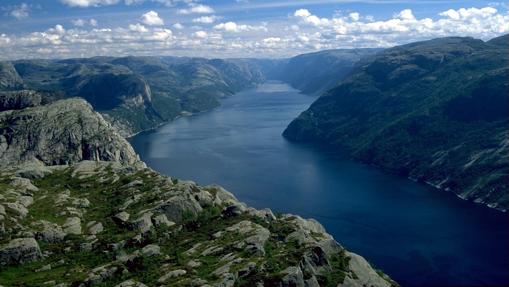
[63, 132]
[9, 77]
[436, 111]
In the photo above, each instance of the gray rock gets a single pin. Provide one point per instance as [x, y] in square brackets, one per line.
[161, 220]
[9, 80]
[95, 227]
[233, 210]
[25, 200]
[131, 283]
[365, 274]
[193, 264]
[256, 242]
[133, 183]
[24, 184]
[50, 232]
[265, 214]
[99, 274]
[44, 268]
[175, 207]
[228, 280]
[18, 208]
[121, 218]
[72, 225]
[33, 171]
[172, 274]
[142, 224]
[37, 135]
[311, 282]
[19, 251]
[81, 202]
[293, 277]
[151, 250]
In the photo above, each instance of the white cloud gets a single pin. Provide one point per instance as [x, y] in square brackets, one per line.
[4, 40]
[178, 26]
[406, 14]
[138, 28]
[197, 9]
[168, 3]
[354, 16]
[307, 17]
[234, 27]
[301, 33]
[20, 12]
[151, 18]
[78, 22]
[302, 13]
[88, 3]
[200, 34]
[206, 19]
[404, 26]
[83, 23]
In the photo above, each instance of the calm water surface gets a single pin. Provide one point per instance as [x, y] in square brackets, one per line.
[418, 235]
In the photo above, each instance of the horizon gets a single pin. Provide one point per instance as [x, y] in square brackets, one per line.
[237, 58]
[235, 28]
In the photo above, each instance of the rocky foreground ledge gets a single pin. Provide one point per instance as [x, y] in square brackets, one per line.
[111, 221]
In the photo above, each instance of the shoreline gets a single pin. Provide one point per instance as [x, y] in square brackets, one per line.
[424, 182]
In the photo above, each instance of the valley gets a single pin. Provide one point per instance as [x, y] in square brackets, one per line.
[389, 219]
[333, 135]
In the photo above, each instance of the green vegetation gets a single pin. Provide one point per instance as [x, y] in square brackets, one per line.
[203, 239]
[138, 93]
[435, 111]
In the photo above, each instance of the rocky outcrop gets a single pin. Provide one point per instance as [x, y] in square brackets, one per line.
[17, 100]
[63, 132]
[19, 251]
[9, 77]
[136, 221]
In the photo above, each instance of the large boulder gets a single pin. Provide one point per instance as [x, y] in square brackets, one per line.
[180, 206]
[19, 251]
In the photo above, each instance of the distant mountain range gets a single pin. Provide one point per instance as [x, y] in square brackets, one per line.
[315, 73]
[139, 93]
[136, 93]
[436, 111]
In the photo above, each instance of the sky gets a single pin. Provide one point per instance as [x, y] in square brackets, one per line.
[233, 28]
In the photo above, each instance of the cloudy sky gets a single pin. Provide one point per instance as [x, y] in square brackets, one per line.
[233, 28]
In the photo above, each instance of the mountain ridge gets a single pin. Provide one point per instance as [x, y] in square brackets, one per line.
[433, 111]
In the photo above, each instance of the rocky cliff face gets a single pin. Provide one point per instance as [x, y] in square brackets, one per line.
[9, 77]
[114, 222]
[435, 111]
[63, 132]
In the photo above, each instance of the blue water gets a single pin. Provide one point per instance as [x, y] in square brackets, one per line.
[418, 235]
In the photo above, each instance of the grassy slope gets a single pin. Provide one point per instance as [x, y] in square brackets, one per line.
[435, 111]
